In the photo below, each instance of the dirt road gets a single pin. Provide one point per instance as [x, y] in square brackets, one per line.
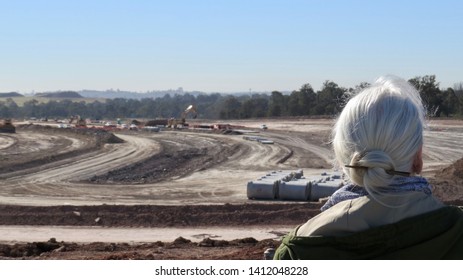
[228, 162]
[148, 168]
[60, 167]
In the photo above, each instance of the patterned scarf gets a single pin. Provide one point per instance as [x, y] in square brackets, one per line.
[400, 184]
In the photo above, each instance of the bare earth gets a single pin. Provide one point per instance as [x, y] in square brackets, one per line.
[89, 194]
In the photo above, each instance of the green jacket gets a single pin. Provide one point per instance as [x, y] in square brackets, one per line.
[434, 235]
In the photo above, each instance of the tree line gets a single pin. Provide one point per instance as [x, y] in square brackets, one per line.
[329, 100]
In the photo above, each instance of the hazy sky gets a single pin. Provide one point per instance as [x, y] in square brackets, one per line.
[225, 46]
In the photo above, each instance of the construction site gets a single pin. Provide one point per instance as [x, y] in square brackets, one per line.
[196, 189]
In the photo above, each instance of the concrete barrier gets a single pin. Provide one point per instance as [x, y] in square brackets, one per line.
[295, 190]
[262, 189]
[324, 189]
[287, 175]
[292, 185]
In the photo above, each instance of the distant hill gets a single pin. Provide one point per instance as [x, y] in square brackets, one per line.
[111, 94]
[10, 94]
[60, 94]
[131, 94]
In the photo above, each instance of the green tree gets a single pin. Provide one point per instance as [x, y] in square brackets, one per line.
[208, 105]
[4, 110]
[450, 103]
[277, 104]
[430, 93]
[458, 90]
[12, 108]
[358, 88]
[255, 107]
[30, 109]
[230, 108]
[307, 99]
[293, 104]
[302, 102]
[96, 110]
[331, 99]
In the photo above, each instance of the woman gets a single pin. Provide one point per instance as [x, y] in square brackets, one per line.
[387, 212]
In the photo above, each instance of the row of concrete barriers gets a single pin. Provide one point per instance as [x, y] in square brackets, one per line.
[292, 185]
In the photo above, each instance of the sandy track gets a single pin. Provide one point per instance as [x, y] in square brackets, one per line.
[59, 184]
[85, 234]
[112, 156]
[222, 181]
[442, 147]
[55, 182]
[6, 141]
[26, 143]
[219, 182]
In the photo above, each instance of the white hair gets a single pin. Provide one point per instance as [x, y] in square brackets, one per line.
[379, 129]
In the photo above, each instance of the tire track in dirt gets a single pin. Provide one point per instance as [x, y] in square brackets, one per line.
[313, 153]
[7, 141]
[114, 156]
[57, 180]
[223, 182]
[217, 181]
[441, 148]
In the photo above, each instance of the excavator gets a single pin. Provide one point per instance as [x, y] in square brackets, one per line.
[7, 126]
[80, 122]
[174, 123]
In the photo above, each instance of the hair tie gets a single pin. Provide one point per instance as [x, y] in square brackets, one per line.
[390, 172]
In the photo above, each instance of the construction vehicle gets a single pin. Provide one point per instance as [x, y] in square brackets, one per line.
[80, 123]
[174, 123]
[7, 126]
[155, 122]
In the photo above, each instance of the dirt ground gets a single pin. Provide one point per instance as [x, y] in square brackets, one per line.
[185, 179]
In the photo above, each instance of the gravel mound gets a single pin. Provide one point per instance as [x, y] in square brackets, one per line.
[452, 172]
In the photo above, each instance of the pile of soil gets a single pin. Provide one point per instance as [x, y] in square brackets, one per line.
[170, 162]
[452, 172]
[227, 215]
[447, 183]
[179, 249]
[93, 136]
[94, 140]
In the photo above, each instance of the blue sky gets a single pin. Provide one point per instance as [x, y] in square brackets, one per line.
[225, 46]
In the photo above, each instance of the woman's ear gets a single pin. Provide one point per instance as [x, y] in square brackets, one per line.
[417, 166]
